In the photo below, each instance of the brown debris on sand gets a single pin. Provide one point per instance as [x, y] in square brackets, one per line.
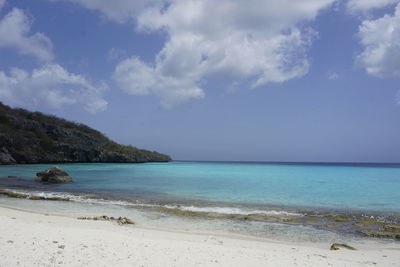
[119, 220]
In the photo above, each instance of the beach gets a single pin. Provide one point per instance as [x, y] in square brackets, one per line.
[38, 239]
[200, 214]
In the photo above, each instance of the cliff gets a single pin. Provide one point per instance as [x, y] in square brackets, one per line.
[33, 137]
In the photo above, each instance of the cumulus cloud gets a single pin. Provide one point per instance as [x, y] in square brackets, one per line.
[52, 86]
[251, 42]
[120, 11]
[138, 78]
[254, 42]
[380, 39]
[367, 5]
[14, 33]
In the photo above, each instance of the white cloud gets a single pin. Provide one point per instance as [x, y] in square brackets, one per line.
[52, 86]
[116, 53]
[380, 39]
[137, 78]
[254, 42]
[120, 11]
[333, 76]
[367, 5]
[14, 33]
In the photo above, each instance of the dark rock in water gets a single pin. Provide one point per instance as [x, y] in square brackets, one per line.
[53, 175]
[11, 176]
[13, 194]
[394, 228]
[380, 233]
[9, 193]
[337, 246]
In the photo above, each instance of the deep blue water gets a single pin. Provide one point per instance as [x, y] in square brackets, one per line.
[366, 188]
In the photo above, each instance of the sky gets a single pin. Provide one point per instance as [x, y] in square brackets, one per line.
[227, 80]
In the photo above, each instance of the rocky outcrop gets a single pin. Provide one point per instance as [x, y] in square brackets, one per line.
[5, 157]
[53, 175]
[33, 137]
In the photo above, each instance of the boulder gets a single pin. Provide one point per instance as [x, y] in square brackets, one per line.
[53, 175]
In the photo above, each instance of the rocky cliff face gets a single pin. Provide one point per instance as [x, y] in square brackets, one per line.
[33, 137]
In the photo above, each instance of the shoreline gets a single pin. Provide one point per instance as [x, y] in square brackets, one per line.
[30, 238]
[345, 223]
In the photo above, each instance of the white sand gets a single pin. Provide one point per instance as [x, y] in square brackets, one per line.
[30, 239]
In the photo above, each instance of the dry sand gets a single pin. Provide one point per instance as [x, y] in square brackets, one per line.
[31, 239]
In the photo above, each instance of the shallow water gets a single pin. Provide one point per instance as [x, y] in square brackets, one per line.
[201, 225]
[263, 200]
[364, 188]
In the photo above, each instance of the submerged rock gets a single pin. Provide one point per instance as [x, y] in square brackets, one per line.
[338, 219]
[367, 223]
[394, 228]
[380, 233]
[13, 194]
[337, 246]
[53, 175]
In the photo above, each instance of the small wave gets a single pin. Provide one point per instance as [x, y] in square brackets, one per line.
[232, 211]
[93, 199]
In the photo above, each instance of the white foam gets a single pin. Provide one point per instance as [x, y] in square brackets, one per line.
[231, 210]
[219, 210]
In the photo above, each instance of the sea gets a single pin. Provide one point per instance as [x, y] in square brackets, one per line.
[291, 201]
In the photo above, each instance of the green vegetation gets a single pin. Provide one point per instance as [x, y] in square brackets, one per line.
[34, 137]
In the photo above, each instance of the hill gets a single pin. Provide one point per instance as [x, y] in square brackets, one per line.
[34, 137]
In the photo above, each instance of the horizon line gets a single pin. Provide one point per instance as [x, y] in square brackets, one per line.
[293, 162]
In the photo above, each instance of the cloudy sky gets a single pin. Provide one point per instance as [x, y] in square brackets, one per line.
[267, 80]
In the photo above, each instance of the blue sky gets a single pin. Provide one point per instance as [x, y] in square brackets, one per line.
[257, 80]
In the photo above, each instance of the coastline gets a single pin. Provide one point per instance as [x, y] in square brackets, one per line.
[29, 238]
[298, 223]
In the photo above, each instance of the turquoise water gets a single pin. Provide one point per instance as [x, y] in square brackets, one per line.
[364, 188]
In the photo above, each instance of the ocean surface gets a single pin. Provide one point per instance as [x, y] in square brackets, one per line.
[222, 188]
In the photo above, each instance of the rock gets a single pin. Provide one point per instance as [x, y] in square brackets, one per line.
[5, 140]
[124, 220]
[13, 194]
[22, 195]
[337, 246]
[11, 176]
[5, 157]
[392, 228]
[366, 223]
[338, 218]
[379, 233]
[53, 175]
[48, 198]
